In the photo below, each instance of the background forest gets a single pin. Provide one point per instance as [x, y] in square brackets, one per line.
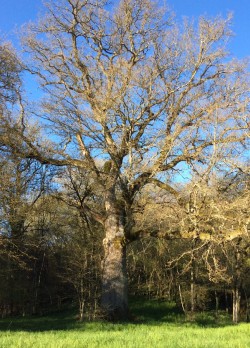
[193, 252]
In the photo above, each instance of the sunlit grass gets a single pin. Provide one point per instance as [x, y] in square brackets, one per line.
[155, 325]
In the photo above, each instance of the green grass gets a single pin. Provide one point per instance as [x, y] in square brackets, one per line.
[156, 325]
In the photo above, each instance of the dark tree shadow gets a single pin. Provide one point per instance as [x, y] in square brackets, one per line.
[66, 320]
[146, 312]
[155, 312]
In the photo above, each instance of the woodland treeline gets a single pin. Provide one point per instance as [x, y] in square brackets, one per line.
[193, 250]
[127, 172]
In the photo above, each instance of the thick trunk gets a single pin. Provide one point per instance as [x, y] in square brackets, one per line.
[114, 299]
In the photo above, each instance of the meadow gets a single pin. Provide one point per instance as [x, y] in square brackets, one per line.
[155, 325]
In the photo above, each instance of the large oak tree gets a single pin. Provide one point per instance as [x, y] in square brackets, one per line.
[133, 99]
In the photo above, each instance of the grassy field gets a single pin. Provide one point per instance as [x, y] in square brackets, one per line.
[156, 325]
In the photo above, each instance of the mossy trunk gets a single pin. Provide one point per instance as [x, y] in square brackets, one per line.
[114, 300]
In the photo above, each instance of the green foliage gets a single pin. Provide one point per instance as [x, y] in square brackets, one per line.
[107, 167]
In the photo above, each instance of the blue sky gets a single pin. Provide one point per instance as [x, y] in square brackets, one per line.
[16, 12]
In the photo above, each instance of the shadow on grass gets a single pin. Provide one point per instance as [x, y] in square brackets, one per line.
[65, 320]
[155, 313]
[143, 312]
[210, 319]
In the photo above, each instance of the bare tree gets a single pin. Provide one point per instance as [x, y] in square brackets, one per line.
[10, 69]
[134, 101]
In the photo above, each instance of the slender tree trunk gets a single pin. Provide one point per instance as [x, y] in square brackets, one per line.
[81, 301]
[192, 291]
[237, 284]
[114, 300]
[182, 302]
[226, 301]
[247, 306]
[236, 305]
[216, 303]
[192, 281]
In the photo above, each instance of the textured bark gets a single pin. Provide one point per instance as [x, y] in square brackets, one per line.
[114, 287]
[114, 299]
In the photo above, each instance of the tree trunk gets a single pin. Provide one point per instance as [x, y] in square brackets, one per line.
[237, 284]
[192, 292]
[236, 305]
[226, 301]
[81, 301]
[247, 306]
[216, 303]
[182, 302]
[114, 300]
[192, 281]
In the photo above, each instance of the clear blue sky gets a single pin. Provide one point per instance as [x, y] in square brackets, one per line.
[14, 13]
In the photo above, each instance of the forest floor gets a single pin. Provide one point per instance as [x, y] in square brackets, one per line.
[155, 325]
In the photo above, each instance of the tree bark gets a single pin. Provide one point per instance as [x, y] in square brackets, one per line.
[237, 284]
[192, 292]
[236, 304]
[192, 280]
[216, 303]
[114, 299]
